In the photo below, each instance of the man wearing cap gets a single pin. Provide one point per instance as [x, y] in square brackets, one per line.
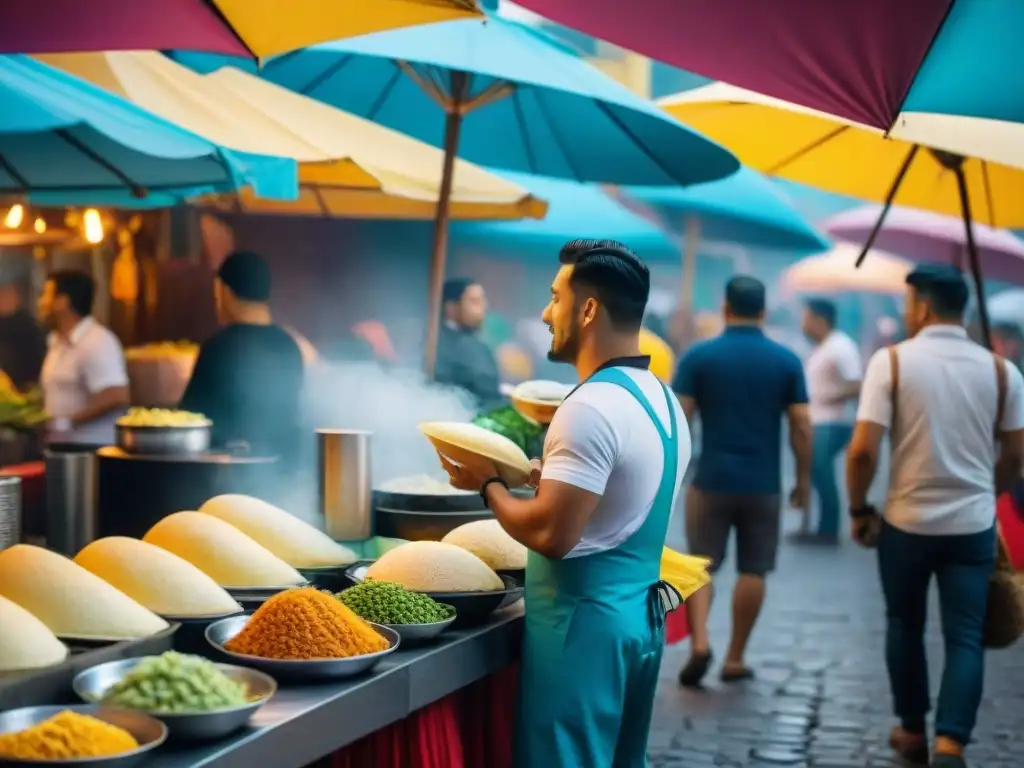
[463, 358]
[248, 377]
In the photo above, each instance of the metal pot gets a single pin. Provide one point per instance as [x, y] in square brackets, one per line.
[164, 441]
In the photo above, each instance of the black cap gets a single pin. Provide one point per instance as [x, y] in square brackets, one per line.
[247, 275]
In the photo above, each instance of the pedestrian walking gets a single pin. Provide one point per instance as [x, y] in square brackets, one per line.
[742, 384]
[955, 415]
[833, 372]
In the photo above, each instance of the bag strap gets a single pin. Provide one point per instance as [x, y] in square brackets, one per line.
[894, 375]
[1002, 386]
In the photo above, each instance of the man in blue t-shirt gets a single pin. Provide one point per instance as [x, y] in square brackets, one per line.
[742, 384]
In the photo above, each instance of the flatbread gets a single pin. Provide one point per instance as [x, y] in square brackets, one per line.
[431, 566]
[25, 642]
[488, 540]
[463, 442]
[69, 600]
[221, 551]
[296, 542]
[161, 581]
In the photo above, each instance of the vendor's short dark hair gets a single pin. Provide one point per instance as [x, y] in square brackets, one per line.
[745, 297]
[455, 288]
[247, 274]
[78, 287]
[619, 279]
[943, 287]
[824, 309]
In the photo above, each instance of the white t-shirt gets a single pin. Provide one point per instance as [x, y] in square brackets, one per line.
[944, 454]
[831, 366]
[603, 441]
[88, 361]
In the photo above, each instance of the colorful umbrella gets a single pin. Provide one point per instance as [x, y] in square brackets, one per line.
[506, 96]
[235, 27]
[926, 237]
[349, 166]
[60, 135]
[894, 66]
[834, 273]
[805, 146]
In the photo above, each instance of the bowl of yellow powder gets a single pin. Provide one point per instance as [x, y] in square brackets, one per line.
[85, 736]
[303, 634]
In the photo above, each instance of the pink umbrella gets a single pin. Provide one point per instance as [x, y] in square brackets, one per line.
[926, 237]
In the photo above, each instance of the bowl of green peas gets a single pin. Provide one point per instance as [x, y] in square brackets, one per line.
[414, 616]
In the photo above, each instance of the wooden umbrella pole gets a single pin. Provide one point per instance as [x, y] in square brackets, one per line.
[972, 255]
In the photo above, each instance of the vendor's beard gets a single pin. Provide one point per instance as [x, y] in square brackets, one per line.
[566, 351]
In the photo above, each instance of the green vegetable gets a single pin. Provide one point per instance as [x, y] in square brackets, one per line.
[384, 602]
[509, 423]
[176, 683]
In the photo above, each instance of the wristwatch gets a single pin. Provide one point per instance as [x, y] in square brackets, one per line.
[487, 482]
[868, 510]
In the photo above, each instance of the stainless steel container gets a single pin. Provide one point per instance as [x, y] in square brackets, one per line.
[10, 511]
[345, 485]
[70, 497]
[164, 441]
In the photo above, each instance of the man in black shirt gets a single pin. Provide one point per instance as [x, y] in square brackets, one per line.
[463, 358]
[22, 339]
[248, 378]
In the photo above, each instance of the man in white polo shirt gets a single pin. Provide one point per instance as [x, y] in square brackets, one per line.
[833, 372]
[84, 381]
[955, 413]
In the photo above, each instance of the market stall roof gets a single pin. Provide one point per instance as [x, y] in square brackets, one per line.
[349, 166]
[238, 27]
[60, 134]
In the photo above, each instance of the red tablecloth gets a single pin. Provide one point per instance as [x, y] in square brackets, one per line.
[471, 728]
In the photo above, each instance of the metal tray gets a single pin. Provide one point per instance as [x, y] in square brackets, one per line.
[148, 732]
[53, 684]
[163, 441]
[421, 633]
[219, 633]
[91, 684]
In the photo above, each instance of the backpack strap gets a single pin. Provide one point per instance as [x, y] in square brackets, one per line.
[894, 387]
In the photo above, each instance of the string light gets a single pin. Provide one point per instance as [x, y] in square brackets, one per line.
[40, 225]
[93, 226]
[15, 216]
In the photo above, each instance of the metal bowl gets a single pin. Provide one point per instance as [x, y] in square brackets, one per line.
[149, 732]
[420, 633]
[219, 633]
[163, 441]
[91, 684]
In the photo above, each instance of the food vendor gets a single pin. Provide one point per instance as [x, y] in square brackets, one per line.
[84, 379]
[22, 339]
[614, 459]
[248, 377]
[463, 358]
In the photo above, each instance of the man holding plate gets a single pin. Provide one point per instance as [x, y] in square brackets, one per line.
[614, 459]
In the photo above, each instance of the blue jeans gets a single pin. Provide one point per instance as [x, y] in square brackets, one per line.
[962, 566]
[828, 441]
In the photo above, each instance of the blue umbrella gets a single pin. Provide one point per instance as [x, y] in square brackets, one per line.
[63, 139]
[504, 95]
[745, 208]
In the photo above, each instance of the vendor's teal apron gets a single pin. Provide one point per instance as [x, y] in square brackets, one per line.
[594, 637]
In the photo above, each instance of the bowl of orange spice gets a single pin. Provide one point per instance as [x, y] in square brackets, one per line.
[303, 634]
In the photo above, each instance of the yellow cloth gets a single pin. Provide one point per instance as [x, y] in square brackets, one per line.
[684, 572]
[796, 143]
[270, 27]
[662, 359]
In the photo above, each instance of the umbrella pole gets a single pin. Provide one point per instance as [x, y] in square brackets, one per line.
[690, 246]
[870, 242]
[972, 256]
[439, 249]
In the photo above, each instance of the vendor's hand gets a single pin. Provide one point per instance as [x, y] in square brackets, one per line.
[469, 476]
[535, 467]
[800, 496]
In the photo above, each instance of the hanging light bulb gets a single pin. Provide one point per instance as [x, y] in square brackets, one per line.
[93, 226]
[39, 225]
[15, 216]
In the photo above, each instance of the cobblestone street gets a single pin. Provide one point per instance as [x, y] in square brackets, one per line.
[821, 696]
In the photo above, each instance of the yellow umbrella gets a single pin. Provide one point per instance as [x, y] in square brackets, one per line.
[349, 166]
[835, 273]
[823, 151]
[662, 360]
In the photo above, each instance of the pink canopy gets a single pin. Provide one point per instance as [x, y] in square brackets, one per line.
[926, 237]
[850, 58]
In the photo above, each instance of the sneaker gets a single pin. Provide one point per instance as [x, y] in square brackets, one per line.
[948, 761]
[691, 675]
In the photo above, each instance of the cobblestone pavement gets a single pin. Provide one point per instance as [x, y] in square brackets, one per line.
[821, 697]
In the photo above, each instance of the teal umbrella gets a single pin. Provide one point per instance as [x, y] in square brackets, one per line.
[63, 140]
